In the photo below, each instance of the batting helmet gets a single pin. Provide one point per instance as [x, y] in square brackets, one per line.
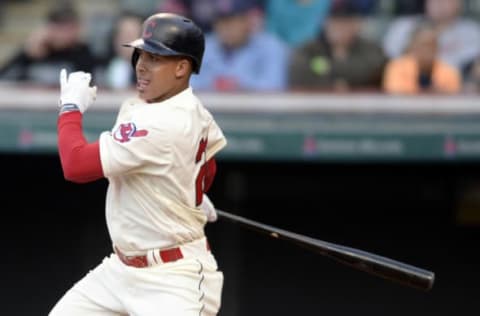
[168, 34]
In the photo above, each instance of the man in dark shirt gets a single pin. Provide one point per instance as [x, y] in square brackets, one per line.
[54, 46]
[339, 59]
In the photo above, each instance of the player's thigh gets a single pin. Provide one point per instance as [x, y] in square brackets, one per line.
[95, 294]
[212, 292]
[189, 288]
[75, 303]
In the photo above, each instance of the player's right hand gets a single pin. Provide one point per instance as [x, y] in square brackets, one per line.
[75, 91]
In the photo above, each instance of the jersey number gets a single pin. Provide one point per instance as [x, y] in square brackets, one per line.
[200, 180]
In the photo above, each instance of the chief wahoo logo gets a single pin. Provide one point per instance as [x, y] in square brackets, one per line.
[126, 131]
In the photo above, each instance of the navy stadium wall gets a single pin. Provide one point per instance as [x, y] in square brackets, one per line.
[53, 232]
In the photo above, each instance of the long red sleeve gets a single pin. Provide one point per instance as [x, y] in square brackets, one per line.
[80, 160]
[210, 174]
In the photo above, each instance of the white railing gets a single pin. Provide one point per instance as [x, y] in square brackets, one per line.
[14, 96]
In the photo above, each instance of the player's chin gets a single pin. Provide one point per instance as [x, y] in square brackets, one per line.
[142, 93]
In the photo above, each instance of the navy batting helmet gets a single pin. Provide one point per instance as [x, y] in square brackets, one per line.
[168, 34]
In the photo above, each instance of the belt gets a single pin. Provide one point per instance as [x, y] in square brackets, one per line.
[155, 256]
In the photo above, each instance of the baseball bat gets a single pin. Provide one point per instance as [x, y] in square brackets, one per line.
[386, 268]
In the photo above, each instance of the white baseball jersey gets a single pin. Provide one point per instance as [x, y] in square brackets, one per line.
[154, 159]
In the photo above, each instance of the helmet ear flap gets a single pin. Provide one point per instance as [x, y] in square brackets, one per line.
[135, 57]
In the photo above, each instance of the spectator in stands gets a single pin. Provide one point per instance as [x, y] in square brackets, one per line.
[364, 7]
[459, 38]
[200, 11]
[420, 69]
[407, 7]
[472, 80]
[339, 59]
[120, 73]
[138, 7]
[296, 22]
[54, 46]
[238, 57]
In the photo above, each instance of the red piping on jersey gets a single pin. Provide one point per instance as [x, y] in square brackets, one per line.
[210, 175]
[80, 160]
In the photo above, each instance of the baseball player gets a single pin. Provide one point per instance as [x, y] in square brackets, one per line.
[159, 161]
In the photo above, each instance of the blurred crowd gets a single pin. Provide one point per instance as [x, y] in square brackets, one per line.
[429, 46]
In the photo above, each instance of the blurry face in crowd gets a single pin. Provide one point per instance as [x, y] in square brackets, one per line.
[341, 31]
[424, 47]
[233, 31]
[160, 77]
[128, 29]
[443, 10]
[63, 35]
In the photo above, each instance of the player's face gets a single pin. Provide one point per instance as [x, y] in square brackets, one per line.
[160, 77]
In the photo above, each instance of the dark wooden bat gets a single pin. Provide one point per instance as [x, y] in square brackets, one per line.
[386, 268]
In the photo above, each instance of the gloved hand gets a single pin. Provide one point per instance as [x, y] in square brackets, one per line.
[75, 91]
[209, 209]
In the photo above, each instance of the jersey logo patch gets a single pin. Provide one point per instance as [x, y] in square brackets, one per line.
[126, 131]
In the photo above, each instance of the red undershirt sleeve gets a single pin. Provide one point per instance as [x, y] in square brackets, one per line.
[210, 175]
[80, 160]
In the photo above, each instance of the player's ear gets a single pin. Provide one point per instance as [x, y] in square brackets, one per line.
[184, 68]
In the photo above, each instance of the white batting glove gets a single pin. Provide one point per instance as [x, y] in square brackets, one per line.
[209, 209]
[75, 91]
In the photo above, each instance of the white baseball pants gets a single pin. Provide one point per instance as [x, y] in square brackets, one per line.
[191, 286]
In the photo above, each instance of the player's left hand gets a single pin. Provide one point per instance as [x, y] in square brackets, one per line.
[75, 91]
[209, 209]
